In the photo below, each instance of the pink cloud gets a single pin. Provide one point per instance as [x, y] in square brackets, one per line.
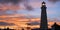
[35, 4]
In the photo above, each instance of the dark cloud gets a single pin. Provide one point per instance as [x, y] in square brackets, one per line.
[54, 1]
[13, 1]
[6, 24]
[33, 23]
[17, 2]
[28, 7]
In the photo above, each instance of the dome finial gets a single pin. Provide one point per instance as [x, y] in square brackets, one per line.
[43, 2]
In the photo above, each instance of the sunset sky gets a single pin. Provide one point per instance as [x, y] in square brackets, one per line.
[27, 9]
[30, 7]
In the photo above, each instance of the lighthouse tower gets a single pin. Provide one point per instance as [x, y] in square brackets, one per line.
[44, 24]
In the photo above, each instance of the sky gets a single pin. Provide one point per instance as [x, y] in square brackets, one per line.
[27, 9]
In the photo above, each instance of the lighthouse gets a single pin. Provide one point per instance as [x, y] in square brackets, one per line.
[43, 24]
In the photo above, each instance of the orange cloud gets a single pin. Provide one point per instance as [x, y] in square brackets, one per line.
[21, 22]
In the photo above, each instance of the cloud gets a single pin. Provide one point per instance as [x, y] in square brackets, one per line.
[28, 7]
[6, 24]
[35, 4]
[12, 1]
[33, 23]
[6, 5]
[53, 1]
[21, 22]
[14, 4]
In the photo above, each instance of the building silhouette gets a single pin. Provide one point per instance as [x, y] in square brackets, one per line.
[55, 27]
[44, 24]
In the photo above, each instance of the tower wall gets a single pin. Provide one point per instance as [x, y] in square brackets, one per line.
[44, 24]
